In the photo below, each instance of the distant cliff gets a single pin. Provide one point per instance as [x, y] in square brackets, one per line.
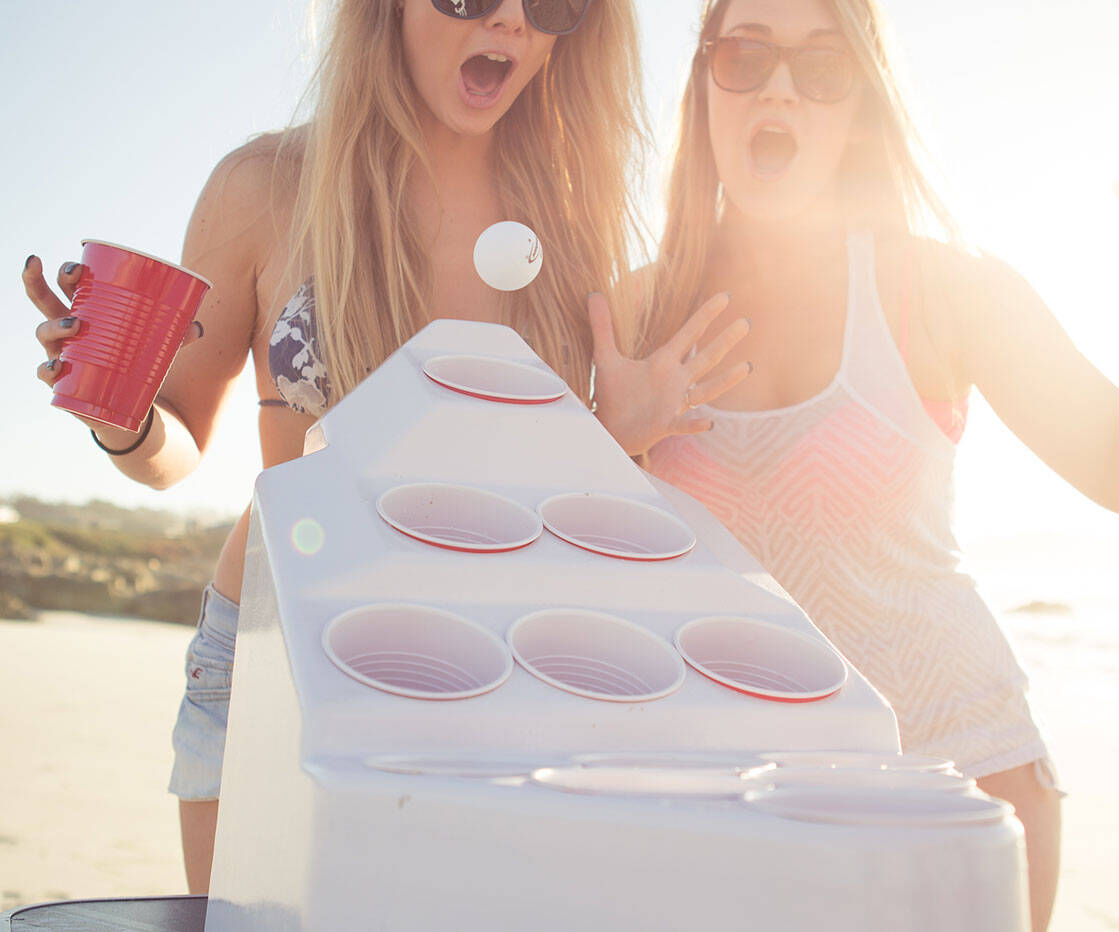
[103, 559]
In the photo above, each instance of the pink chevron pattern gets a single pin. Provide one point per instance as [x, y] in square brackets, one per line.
[852, 516]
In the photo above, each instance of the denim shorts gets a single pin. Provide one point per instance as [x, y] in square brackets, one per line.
[199, 735]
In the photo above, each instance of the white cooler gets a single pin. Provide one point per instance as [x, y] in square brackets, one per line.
[490, 675]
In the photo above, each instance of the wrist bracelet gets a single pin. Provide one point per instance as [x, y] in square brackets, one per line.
[144, 430]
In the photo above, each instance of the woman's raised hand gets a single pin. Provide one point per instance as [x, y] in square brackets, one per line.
[640, 401]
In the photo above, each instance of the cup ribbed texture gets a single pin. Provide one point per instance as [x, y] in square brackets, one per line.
[133, 311]
[128, 333]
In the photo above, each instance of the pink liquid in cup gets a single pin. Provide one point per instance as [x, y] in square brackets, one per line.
[133, 312]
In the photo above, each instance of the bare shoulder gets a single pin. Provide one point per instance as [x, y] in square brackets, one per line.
[240, 208]
[971, 282]
[240, 223]
[265, 168]
[978, 300]
[939, 262]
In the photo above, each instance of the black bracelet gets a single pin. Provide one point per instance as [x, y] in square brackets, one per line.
[144, 431]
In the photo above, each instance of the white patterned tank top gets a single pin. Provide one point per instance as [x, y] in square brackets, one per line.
[846, 500]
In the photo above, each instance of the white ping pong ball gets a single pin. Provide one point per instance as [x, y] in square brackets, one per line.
[508, 255]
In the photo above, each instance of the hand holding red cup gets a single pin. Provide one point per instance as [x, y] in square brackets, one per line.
[131, 313]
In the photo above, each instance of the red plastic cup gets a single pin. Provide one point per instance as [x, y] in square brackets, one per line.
[133, 312]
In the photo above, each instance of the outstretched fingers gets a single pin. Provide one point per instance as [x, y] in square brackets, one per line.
[709, 389]
[696, 325]
[714, 352]
[690, 424]
[605, 348]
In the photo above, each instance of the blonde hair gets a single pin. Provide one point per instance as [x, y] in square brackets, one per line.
[882, 184]
[563, 156]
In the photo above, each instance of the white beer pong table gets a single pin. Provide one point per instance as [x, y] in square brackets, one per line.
[447, 719]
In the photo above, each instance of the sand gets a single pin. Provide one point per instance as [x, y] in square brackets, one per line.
[85, 731]
[87, 708]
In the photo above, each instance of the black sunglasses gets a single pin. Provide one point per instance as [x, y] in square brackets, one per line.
[741, 65]
[555, 17]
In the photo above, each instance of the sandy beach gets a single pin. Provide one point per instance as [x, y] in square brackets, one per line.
[88, 703]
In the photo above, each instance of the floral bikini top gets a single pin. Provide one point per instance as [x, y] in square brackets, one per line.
[293, 357]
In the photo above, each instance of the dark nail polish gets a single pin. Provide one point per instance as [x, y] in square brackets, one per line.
[711, 426]
[201, 329]
[52, 365]
[69, 268]
[27, 261]
[67, 322]
[749, 367]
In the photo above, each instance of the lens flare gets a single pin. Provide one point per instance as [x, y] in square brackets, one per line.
[307, 536]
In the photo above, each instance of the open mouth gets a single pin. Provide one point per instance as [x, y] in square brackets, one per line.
[484, 75]
[772, 150]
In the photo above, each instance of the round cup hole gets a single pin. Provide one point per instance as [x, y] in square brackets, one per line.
[494, 379]
[761, 659]
[596, 655]
[900, 808]
[642, 781]
[417, 651]
[616, 526]
[459, 517]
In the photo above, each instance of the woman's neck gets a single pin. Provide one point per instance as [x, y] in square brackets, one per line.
[769, 239]
[776, 249]
[461, 187]
[458, 161]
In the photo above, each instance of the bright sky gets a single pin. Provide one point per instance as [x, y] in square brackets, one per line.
[114, 123]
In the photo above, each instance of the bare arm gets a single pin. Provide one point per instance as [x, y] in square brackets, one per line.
[226, 239]
[1056, 402]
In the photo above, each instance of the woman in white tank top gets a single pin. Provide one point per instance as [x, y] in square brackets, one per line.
[830, 452]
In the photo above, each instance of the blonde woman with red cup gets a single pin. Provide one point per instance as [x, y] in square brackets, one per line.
[332, 243]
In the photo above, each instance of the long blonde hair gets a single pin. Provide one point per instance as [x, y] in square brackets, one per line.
[882, 184]
[563, 157]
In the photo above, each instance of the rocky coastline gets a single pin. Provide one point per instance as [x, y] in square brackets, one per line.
[99, 558]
